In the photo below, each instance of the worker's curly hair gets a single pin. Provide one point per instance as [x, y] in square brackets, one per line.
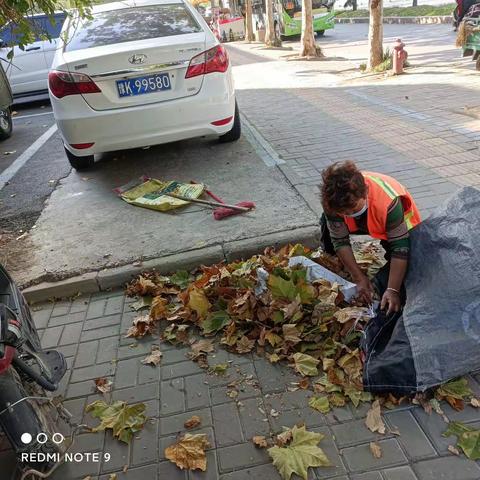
[343, 185]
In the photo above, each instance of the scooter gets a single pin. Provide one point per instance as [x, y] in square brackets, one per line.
[461, 10]
[29, 415]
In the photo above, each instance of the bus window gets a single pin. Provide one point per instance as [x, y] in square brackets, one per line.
[319, 4]
[292, 6]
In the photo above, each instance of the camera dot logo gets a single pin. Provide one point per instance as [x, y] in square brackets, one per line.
[26, 438]
[57, 438]
[42, 438]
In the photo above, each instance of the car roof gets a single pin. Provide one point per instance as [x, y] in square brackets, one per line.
[130, 4]
[47, 15]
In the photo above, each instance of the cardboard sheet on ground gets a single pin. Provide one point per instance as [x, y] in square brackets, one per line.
[437, 337]
[150, 193]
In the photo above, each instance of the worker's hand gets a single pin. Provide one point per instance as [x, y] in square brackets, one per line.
[364, 289]
[391, 301]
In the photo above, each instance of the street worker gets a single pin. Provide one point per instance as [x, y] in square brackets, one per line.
[368, 203]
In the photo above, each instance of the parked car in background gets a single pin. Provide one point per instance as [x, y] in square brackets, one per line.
[28, 69]
[140, 73]
[6, 100]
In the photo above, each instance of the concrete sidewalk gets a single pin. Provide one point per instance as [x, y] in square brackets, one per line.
[90, 332]
[85, 227]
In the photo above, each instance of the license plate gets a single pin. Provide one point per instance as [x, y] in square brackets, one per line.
[142, 85]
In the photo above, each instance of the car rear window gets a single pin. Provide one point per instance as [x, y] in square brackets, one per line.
[138, 23]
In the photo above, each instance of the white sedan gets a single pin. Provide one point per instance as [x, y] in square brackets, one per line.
[140, 73]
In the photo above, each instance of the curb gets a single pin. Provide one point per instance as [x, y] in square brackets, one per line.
[117, 277]
[427, 20]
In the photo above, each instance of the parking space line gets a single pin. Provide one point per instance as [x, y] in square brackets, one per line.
[10, 172]
[20, 117]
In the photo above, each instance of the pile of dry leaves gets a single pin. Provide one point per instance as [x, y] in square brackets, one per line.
[308, 325]
[305, 324]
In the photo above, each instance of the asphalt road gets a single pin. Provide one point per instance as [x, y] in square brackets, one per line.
[23, 198]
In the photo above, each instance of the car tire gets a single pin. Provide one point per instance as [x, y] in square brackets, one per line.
[80, 163]
[234, 134]
[5, 124]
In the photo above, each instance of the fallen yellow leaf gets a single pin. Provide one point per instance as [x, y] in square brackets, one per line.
[192, 422]
[260, 441]
[374, 420]
[189, 452]
[376, 449]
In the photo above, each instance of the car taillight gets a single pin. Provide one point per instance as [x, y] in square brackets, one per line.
[65, 83]
[213, 60]
[82, 146]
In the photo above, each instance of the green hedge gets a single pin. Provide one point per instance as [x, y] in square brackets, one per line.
[420, 11]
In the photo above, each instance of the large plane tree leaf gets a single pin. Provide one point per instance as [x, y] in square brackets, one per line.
[124, 420]
[215, 322]
[300, 454]
[305, 364]
[468, 439]
[458, 389]
[198, 302]
[189, 452]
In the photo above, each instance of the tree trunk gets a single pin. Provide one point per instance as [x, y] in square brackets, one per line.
[309, 49]
[415, 3]
[354, 5]
[249, 36]
[375, 34]
[269, 25]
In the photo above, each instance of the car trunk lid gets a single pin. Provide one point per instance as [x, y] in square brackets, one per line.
[136, 62]
[137, 55]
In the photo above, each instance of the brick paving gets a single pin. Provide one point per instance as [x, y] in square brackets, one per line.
[178, 388]
[423, 132]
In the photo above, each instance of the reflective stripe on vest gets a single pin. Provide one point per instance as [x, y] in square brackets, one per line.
[408, 219]
[387, 188]
[392, 193]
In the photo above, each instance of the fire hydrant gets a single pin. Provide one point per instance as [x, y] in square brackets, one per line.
[399, 57]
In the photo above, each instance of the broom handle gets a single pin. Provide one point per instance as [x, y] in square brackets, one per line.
[207, 202]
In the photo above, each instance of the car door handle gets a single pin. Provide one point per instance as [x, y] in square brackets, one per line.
[32, 48]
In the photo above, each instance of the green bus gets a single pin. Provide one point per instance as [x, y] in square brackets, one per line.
[288, 16]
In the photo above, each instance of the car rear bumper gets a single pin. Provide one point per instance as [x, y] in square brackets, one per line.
[146, 125]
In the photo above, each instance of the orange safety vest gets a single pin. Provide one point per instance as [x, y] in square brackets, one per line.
[382, 190]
